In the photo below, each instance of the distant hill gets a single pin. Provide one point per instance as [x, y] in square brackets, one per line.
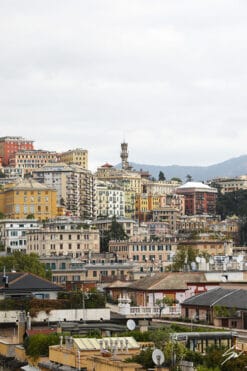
[230, 168]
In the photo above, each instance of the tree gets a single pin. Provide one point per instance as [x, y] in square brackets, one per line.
[162, 176]
[144, 358]
[116, 232]
[175, 179]
[188, 178]
[24, 263]
[184, 257]
[38, 345]
[232, 203]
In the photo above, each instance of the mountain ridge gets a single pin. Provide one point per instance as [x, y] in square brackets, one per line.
[233, 167]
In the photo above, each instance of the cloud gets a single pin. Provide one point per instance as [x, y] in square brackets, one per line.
[169, 77]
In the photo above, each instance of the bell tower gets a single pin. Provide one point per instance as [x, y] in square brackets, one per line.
[124, 156]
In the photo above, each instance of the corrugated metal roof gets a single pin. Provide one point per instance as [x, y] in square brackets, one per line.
[230, 298]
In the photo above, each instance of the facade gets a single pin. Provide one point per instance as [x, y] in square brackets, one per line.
[13, 233]
[199, 198]
[221, 307]
[150, 255]
[130, 180]
[27, 197]
[12, 173]
[63, 237]
[160, 187]
[10, 145]
[110, 200]
[82, 273]
[129, 225]
[210, 245]
[231, 184]
[75, 187]
[168, 215]
[76, 156]
[200, 223]
[28, 160]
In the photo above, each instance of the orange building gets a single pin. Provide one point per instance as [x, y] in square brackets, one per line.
[9, 145]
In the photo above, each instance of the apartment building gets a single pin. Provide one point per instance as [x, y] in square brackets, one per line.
[231, 184]
[80, 273]
[26, 198]
[63, 237]
[13, 233]
[151, 255]
[110, 200]
[10, 145]
[28, 160]
[75, 187]
[160, 187]
[129, 180]
[199, 198]
[76, 156]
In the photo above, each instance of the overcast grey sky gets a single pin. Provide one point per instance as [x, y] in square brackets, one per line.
[168, 76]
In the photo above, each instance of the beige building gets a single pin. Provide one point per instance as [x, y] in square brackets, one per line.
[28, 160]
[160, 187]
[76, 156]
[151, 255]
[80, 273]
[130, 180]
[63, 237]
[28, 197]
[231, 184]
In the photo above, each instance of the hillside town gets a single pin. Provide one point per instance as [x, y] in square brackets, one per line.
[96, 264]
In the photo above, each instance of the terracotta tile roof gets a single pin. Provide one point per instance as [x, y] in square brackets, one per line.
[168, 281]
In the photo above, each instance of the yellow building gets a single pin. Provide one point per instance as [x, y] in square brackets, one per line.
[146, 204]
[28, 197]
[76, 156]
[130, 199]
[130, 180]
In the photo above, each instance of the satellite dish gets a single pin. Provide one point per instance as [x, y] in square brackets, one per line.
[211, 260]
[198, 259]
[131, 325]
[158, 357]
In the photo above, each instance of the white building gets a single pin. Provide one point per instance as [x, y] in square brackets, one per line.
[110, 200]
[13, 233]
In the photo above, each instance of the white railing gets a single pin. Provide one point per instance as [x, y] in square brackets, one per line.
[156, 311]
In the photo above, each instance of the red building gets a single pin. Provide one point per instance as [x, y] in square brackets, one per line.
[9, 145]
[199, 198]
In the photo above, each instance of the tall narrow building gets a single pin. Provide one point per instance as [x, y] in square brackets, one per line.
[124, 156]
